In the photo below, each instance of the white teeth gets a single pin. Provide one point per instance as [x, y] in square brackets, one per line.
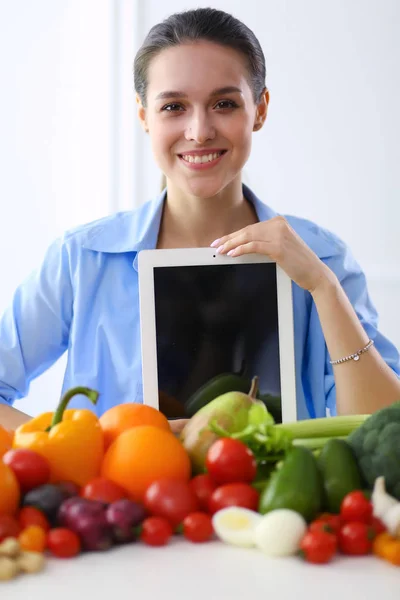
[201, 159]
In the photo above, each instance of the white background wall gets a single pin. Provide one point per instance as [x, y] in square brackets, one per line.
[71, 149]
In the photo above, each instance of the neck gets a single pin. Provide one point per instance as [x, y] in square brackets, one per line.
[192, 222]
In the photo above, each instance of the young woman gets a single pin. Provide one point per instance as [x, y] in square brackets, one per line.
[201, 95]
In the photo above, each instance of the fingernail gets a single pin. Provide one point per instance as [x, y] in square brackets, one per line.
[215, 243]
[220, 249]
[231, 252]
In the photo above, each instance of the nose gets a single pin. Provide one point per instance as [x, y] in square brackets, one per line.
[200, 127]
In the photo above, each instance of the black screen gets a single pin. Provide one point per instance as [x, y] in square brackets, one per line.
[215, 320]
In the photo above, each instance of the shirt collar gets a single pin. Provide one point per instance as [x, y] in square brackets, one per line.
[137, 230]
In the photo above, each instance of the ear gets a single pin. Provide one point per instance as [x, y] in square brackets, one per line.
[141, 112]
[261, 111]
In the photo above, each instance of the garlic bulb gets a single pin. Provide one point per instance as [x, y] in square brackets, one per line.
[381, 500]
[386, 508]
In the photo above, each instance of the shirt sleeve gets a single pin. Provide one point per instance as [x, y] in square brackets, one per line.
[353, 281]
[34, 329]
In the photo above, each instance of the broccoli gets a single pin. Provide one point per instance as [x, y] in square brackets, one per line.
[376, 444]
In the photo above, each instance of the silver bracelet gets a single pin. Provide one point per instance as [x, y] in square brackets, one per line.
[355, 356]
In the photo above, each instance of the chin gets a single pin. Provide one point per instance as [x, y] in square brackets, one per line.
[205, 189]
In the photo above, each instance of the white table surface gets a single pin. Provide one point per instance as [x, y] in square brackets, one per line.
[211, 571]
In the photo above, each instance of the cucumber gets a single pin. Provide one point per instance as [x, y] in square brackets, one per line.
[340, 473]
[297, 485]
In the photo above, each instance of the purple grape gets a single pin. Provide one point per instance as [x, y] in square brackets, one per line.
[94, 532]
[73, 507]
[124, 516]
[69, 488]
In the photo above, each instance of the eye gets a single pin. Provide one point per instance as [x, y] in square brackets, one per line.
[172, 107]
[226, 104]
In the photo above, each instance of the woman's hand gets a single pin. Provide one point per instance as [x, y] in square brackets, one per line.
[177, 425]
[277, 240]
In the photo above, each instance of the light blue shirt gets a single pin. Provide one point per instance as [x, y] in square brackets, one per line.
[84, 300]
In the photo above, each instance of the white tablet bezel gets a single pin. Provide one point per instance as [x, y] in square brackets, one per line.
[149, 259]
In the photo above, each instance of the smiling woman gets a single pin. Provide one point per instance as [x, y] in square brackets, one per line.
[201, 96]
[201, 133]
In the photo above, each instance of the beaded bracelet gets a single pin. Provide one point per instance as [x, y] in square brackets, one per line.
[355, 356]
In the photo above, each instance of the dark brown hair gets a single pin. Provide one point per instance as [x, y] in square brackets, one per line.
[195, 25]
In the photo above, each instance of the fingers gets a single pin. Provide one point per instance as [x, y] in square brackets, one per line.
[263, 232]
[177, 425]
[255, 247]
[227, 243]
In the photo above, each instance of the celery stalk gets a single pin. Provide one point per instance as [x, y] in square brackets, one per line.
[315, 443]
[323, 427]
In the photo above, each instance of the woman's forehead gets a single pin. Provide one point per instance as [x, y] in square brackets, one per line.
[201, 66]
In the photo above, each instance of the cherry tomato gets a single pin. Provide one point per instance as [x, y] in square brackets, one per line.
[377, 525]
[30, 468]
[10, 492]
[234, 494]
[231, 461]
[29, 515]
[197, 527]
[172, 499]
[103, 490]
[63, 542]
[203, 486]
[356, 538]
[156, 531]
[33, 538]
[318, 546]
[323, 526]
[333, 521]
[9, 527]
[356, 507]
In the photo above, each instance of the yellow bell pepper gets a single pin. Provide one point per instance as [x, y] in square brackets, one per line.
[71, 440]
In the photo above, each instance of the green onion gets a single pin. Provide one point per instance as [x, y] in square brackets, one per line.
[325, 427]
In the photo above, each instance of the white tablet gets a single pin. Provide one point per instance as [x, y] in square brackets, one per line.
[205, 317]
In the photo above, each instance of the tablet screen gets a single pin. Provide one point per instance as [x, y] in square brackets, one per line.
[213, 321]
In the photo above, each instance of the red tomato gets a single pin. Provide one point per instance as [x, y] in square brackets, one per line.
[356, 538]
[9, 527]
[103, 490]
[377, 525]
[231, 461]
[30, 468]
[318, 546]
[326, 522]
[156, 531]
[203, 486]
[29, 515]
[172, 499]
[197, 527]
[234, 494]
[356, 507]
[63, 543]
[317, 526]
[333, 520]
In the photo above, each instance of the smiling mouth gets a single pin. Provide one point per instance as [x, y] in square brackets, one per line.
[203, 159]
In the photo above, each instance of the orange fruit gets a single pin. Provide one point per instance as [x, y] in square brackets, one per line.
[143, 454]
[124, 416]
[9, 491]
[6, 438]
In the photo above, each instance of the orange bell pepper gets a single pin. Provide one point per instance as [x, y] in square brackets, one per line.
[387, 547]
[71, 440]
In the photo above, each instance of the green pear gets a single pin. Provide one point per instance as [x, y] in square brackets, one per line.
[230, 411]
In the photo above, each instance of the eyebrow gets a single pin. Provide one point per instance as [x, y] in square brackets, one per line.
[217, 92]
